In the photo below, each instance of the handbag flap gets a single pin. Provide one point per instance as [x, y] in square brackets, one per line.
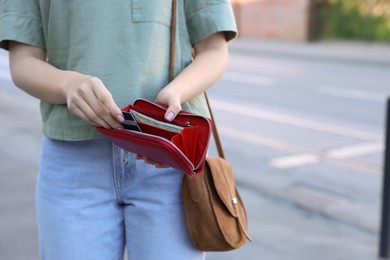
[149, 145]
[222, 175]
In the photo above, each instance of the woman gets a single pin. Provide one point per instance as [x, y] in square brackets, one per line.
[85, 60]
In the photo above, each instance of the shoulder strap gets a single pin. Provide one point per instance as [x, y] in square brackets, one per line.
[215, 130]
[172, 75]
[173, 42]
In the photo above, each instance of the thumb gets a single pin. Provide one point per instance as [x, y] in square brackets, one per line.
[172, 112]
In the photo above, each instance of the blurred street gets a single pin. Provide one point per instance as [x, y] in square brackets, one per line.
[301, 123]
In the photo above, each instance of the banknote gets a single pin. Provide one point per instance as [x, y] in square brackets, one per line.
[141, 118]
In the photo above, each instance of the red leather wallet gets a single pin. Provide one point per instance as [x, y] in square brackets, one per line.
[185, 150]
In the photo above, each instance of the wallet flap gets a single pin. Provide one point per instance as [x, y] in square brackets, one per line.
[194, 147]
[155, 147]
[157, 111]
[184, 150]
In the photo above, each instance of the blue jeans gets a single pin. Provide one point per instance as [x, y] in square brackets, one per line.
[91, 205]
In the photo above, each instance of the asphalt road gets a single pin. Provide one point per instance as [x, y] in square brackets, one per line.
[309, 132]
[305, 138]
[318, 126]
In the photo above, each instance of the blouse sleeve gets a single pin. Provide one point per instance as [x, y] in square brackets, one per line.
[206, 17]
[20, 21]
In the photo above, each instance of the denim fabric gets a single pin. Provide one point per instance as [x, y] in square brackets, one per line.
[90, 205]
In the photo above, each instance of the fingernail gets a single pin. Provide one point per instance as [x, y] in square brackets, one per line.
[120, 118]
[170, 116]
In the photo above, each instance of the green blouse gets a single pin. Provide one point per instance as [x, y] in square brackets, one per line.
[125, 43]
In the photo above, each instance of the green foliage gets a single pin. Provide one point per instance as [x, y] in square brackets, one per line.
[354, 19]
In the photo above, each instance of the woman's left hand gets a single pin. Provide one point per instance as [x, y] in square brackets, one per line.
[172, 100]
[169, 97]
[151, 162]
[196, 78]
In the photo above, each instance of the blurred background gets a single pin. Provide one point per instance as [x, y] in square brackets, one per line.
[309, 20]
[302, 113]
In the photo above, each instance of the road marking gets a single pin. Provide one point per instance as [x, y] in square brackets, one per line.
[355, 150]
[262, 140]
[249, 79]
[353, 94]
[294, 121]
[294, 160]
[292, 148]
[344, 152]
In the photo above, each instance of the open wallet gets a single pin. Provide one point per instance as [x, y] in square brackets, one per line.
[181, 144]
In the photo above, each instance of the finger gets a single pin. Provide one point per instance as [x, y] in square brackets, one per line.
[155, 163]
[150, 161]
[161, 166]
[92, 116]
[84, 101]
[75, 110]
[79, 107]
[106, 100]
[87, 101]
[172, 112]
[100, 114]
[140, 157]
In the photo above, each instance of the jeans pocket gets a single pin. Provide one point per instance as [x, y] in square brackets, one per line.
[152, 11]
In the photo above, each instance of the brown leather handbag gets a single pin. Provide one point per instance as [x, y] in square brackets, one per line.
[215, 214]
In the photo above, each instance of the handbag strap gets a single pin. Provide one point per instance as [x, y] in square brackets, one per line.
[173, 42]
[172, 75]
[218, 143]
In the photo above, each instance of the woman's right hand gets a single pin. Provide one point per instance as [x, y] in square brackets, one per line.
[89, 99]
[85, 96]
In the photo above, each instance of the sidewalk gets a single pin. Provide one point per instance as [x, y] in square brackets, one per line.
[337, 51]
